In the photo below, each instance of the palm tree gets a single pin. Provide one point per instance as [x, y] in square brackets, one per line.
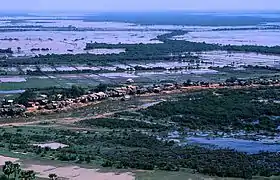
[8, 168]
[53, 176]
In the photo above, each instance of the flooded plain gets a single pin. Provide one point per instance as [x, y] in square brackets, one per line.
[41, 35]
[223, 58]
[33, 43]
[30, 36]
[33, 23]
[236, 37]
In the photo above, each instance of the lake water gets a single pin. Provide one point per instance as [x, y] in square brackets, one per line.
[241, 145]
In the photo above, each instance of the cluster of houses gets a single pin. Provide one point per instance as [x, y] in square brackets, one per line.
[8, 108]
[122, 92]
[249, 82]
[61, 102]
[43, 102]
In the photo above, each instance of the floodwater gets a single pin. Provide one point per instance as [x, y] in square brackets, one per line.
[241, 145]
[39, 32]
[106, 51]
[236, 37]
[223, 58]
[194, 71]
[42, 22]
[31, 43]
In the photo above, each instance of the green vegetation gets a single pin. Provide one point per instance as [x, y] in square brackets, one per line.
[121, 123]
[222, 109]
[133, 149]
[140, 139]
[51, 92]
[137, 139]
[25, 97]
[13, 171]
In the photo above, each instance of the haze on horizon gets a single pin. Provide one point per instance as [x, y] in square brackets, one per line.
[139, 5]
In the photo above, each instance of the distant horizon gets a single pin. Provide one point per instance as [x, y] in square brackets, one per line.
[138, 5]
[29, 12]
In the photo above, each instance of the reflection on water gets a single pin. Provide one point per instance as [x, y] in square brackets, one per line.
[241, 145]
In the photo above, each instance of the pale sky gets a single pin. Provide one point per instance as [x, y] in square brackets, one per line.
[138, 5]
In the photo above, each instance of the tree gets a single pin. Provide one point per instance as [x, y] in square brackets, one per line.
[8, 168]
[76, 91]
[188, 83]
[3, 177]
[88, 159]
[231, 80]
[25, 97]
[101, 88]
[27, 175]
[53, 176]
[16, 169]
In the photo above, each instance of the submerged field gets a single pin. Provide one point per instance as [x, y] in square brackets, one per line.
[218, 117]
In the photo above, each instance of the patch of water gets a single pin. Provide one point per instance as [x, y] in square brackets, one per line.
[182, 72]
[12, 92]
[9, 69]
[12, 79]
[116, 75]
[65, 68]
[146, 105]
[223, 58]
[51, 145]
[105, 51]
[236, 37]
[47, 68]
[241, 145]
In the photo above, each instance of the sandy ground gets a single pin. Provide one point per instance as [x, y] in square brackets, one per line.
[71, 172]
[77, 173]
[3, 159]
